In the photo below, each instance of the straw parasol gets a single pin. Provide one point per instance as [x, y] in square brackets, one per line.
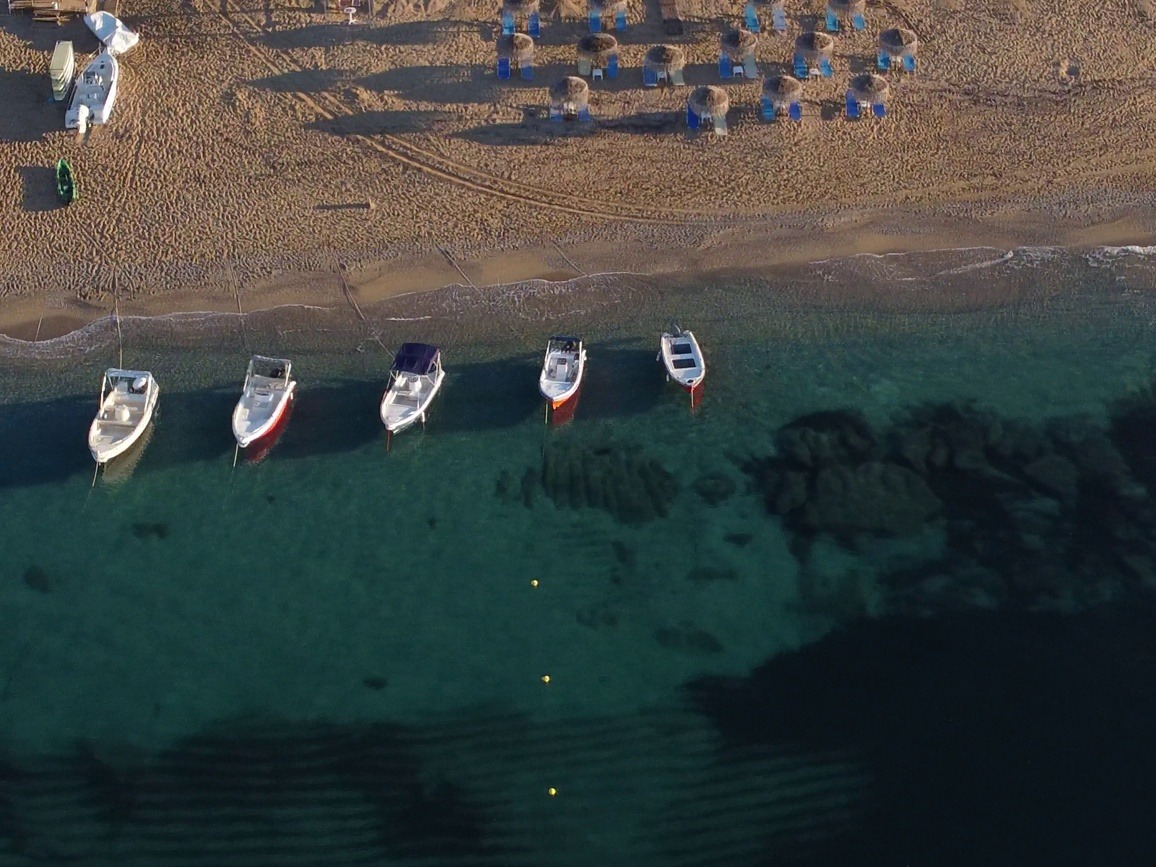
[606, 7]
[570, 90]
[519, 47]
[738, 44]
[814, 46]
[520, 7]
[869, 87]
[899, 42]
[597, 47]
[782, 89]
[844, 8]
[709, 101]
[664, 59]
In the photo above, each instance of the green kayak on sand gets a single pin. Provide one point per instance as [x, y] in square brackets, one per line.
[66, 183]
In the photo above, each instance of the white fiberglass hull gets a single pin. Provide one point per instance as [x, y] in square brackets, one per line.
[108, 438]
[259, 411]
[95, 93]
[555, 387]
[402, 406]
[682, 357]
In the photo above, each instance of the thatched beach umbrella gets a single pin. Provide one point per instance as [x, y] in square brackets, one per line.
[847, 8]
[898, 42]
[520, 7]
[738, 44]
[570, 92]
[606, 8]
[782, 90]
[814, 46]
[709, 101]
[664, 59]
[869, 87]
[597, 48]
[518, 47]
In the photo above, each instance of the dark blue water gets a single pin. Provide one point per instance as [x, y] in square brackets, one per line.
[885, 598]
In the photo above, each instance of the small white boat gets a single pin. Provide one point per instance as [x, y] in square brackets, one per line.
[562, 369]
[111, 31]
[269, 389]
[61, 69]
[95, 93]
[128, 400]
[682, 357]
[414, 381]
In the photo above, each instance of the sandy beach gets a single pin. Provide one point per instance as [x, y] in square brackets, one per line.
[264, 154]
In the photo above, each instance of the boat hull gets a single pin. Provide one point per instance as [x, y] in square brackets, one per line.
[247, 434]
[396, 422]
[692, 372]
[103, 453]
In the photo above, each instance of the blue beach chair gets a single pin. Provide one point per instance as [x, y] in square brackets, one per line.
[527, 71]
[852, 108]
[779, 19]
[883, 61]
[768, 108]
[584, 114]
[795, 111]
[595, 19]
[825, 67]
[725, 67]
[503, 68]
[620, 19]
[612, 66]
[909, 63]
[555, 113]
[858, 23]
[507, 23]
[534, 25]
[801, 70]
[832, 22]
[691, 118]
[649, 77]
[879, 109]
[751, 17]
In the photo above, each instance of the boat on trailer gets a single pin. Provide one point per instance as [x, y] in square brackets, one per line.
[414, 381]
[562, 368]
[682, 357]
[128, 401]
[269, 388]
[95, 93]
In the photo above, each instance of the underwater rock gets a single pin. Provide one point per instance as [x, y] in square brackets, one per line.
[707, 574]
[687, 638]
[145, 530]
[37, 579]
[873, 497]
[1056, 476]
[598, 616]
[836, 436]
[714, 487]
[375, 682]
[740, 540]
[622, 481]
[529, 488]
[623, 553]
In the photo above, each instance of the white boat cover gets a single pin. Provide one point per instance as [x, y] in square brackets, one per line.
[110, 30]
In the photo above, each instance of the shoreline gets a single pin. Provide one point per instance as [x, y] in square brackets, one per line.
[808, 238]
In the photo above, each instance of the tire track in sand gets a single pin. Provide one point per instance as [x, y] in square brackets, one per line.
[432, 164]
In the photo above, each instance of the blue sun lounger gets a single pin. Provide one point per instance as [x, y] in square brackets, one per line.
[751, 18]
[768, 109]
[534, 25]
[795, 111]
[832, 22]
[779, 19]
[527, 71]
[858, 23]
[726, 69]
[883, 61]
[595, 19]
[909, 63]
[612, 66]
[852, 108]
[649, 77]
[503, 68]
[584, 113]
[691, 119]
[825, 67]
[507, 23]
[878, 109]
[620, 20]
[801, 70]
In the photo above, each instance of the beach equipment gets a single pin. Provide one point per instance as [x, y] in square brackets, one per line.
[778, 17]
[708, 103]
[599, 10]
[265, 397]
[128, 399]
[866, 90]
[569, 99]
[516, 48]
[598, 55]
[813, 54]
[66, 183]
[61, 68]
[512, 10]
[110, 30]
[751, 18]
[503, 68]
[897, 44]
[663, 63]
[782, 93]
[414, 381]
[682, 357]
[562, 368]
[841, 10]
[736, 57]
[95, 93]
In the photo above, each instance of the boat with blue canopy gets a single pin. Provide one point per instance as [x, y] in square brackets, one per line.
[414, 381]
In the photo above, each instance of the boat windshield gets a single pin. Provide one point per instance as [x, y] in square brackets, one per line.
[271, 368]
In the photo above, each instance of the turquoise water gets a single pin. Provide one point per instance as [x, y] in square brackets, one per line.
[337, 654]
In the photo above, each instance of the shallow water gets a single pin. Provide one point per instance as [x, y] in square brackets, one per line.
[336, 654]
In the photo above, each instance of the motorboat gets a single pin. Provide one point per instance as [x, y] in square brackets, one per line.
[414, 380]
[682, 357]
[128, 401]
[61, 69]
[269, 388]
[95, 93]
[562, 369]
[111, 31]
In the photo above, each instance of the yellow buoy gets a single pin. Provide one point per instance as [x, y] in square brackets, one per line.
[545, 678]
[533, 582]
[551, 791]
